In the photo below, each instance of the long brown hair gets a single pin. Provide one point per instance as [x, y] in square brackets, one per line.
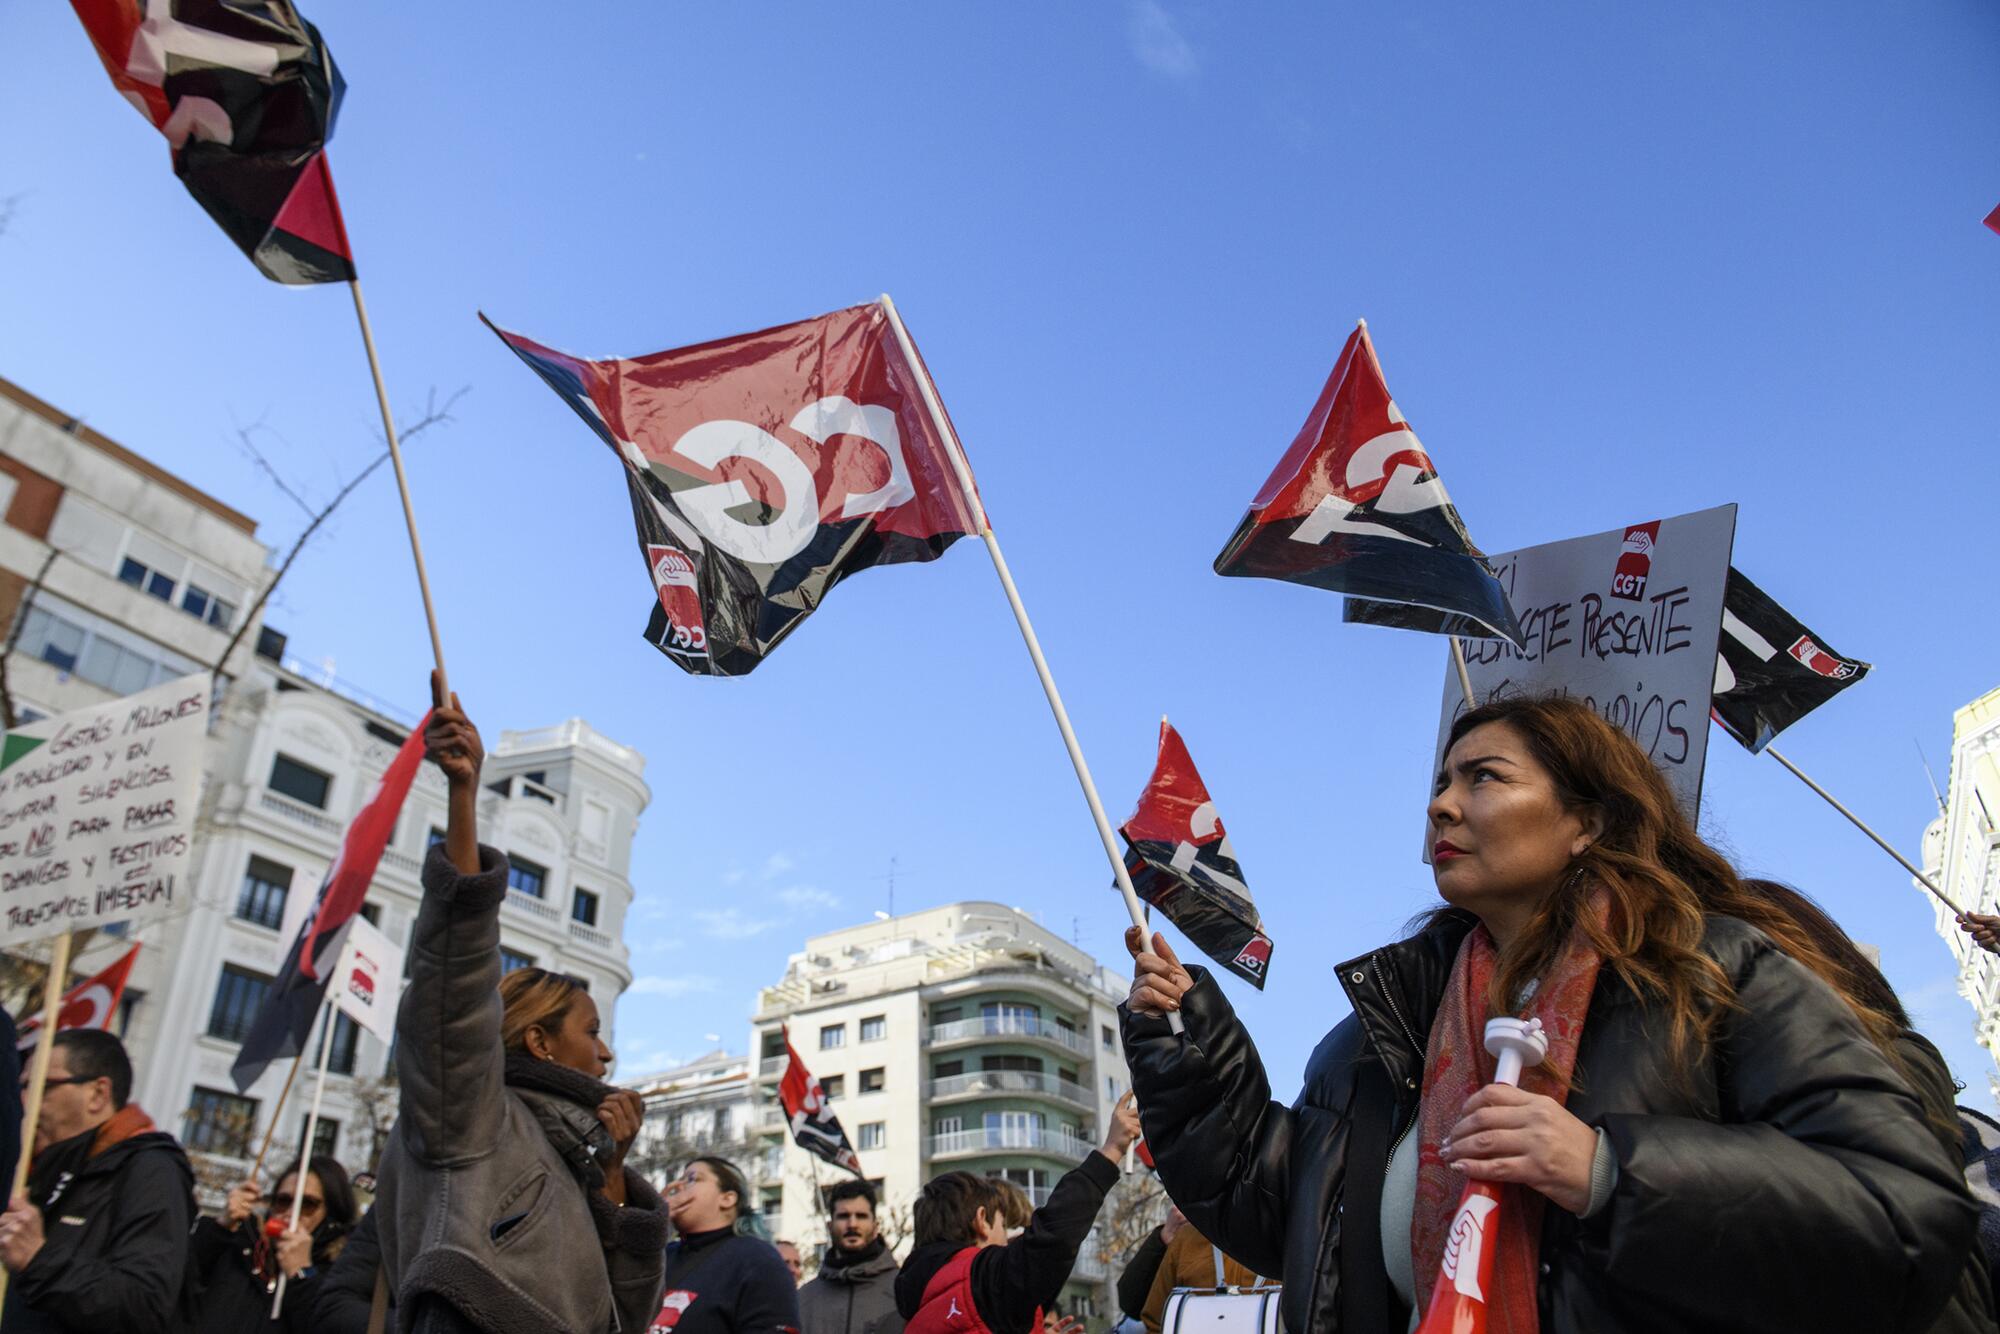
[1660, 882]
[534, 998]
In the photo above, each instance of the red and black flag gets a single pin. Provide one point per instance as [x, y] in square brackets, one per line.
[814, 1126]
[1356, 506]
[285, 1019]
[91, 1003]
[1770, 671]
[763, 469]
[1993, 219]
[246, 93]
[1180, 861]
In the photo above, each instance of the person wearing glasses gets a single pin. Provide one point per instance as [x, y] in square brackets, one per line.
[234, 1261]
[723, 1275]
[99, 1239]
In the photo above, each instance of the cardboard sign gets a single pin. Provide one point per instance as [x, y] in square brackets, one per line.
[1626, 620]
[97, 811]
[367, 978]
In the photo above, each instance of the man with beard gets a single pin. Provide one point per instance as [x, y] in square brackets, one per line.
[855, 1292]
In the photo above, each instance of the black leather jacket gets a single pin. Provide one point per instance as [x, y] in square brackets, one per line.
[1792, 1184]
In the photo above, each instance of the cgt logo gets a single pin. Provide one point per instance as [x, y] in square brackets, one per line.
[1635, 561]
[710, 506]
[1819, 660]
[1256, 956]
[673, 578]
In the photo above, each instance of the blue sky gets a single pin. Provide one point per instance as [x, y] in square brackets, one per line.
[1618, 264]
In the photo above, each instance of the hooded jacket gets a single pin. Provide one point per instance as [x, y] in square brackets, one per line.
[854, 1298]
[116, 1203]
[476, 1207]
[1790, 1183]
[224, 1291]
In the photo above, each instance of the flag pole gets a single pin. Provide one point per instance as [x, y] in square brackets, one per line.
[402, 481]
[305, 1149]
[38, 1071]
[1464, 676]
[277, 1111]
[1858, 823]
[970, 493]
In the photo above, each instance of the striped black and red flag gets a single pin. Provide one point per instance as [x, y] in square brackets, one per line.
[1356, 506]
[1181, 862]
[763, 469]
[814, 1126]
[246, 94]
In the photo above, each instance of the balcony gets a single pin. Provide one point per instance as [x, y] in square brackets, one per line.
[1009, 1139]
[987, 1082]
[299, 813]
[590, 935]
[531, 905]
[1009, 1026]
[772, 1066]
[772, 1118]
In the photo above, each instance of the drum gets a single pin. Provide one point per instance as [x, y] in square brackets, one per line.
[1221, 1311]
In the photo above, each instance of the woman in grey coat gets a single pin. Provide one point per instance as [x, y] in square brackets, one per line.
[505, 1204]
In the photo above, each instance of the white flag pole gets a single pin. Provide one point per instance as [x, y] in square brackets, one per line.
[1858, 823]
[970, 492]
[1464, 676]
[326, 1020]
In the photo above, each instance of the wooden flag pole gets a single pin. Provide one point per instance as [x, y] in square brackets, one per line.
[970, 492]
[402, 483]
[257, 1165]
[1464, 676]
[305, 1150]
[38, 1072]
[1858, 823]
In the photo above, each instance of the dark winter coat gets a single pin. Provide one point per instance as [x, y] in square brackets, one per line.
[1790, 1184]
[855, 1298]
[347, 1291]
[477, 1208]
[116, 1224]
[224, 1293]
[722, 1282]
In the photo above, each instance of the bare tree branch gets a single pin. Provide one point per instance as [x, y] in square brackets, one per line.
[7, 714]
[243, 438]
[10, 205]
[435, 414]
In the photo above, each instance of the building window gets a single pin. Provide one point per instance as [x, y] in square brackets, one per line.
[1111, 1087]
[238, 997]
[524, 877]
[872, 1136]
[946, 1014]
[583, 907]
[774, 1202]
[147, 580]
[871, 1080]
[874, 1029]
[326, 1135]
[948, 1125]
[831, 1036]
[946, 1069]
[512, 959]
[206, 606]
[373, 912]
[340, 1057]
[436, 837]
[74, 642]
[833, 1086]
[218, 1122]
[262, 898]
[300, 782]
[1110, 1038]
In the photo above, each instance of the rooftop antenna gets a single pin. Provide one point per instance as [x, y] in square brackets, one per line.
[1928, 774]
[891, 878]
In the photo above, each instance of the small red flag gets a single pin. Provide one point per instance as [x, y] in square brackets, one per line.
[90, 1003]
[814, 1126]
[1993, 218]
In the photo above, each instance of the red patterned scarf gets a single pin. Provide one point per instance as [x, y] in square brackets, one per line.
[1456, 1065]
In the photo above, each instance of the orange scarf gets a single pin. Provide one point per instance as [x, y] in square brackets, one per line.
[1456, 1065]
[125, 1123]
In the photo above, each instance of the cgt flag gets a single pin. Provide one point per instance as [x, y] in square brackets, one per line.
[1770, 671]
[763, 469]
[1356, 506]
[1180, 861]
[246, 93]
[91, 1003]
[285, 1019]
[814, 1126]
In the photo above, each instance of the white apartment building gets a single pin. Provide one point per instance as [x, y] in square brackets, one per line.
[702, 1107]
[966, 1037]
[1962, 855]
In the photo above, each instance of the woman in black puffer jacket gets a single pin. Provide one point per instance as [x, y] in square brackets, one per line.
[1719, 1141]
[234, 1263]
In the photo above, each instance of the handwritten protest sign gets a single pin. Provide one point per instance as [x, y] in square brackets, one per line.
[97, 811]
[1626, 620]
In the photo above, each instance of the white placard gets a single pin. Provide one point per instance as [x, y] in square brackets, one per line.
[1628, 621]
[367, 977]
[97, 811]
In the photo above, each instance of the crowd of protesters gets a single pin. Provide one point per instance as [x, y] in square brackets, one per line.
[1737, 1128]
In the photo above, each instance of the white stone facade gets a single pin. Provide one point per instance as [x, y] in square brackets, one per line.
[1962, 855]
[704, 1106]
[966, 1037]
